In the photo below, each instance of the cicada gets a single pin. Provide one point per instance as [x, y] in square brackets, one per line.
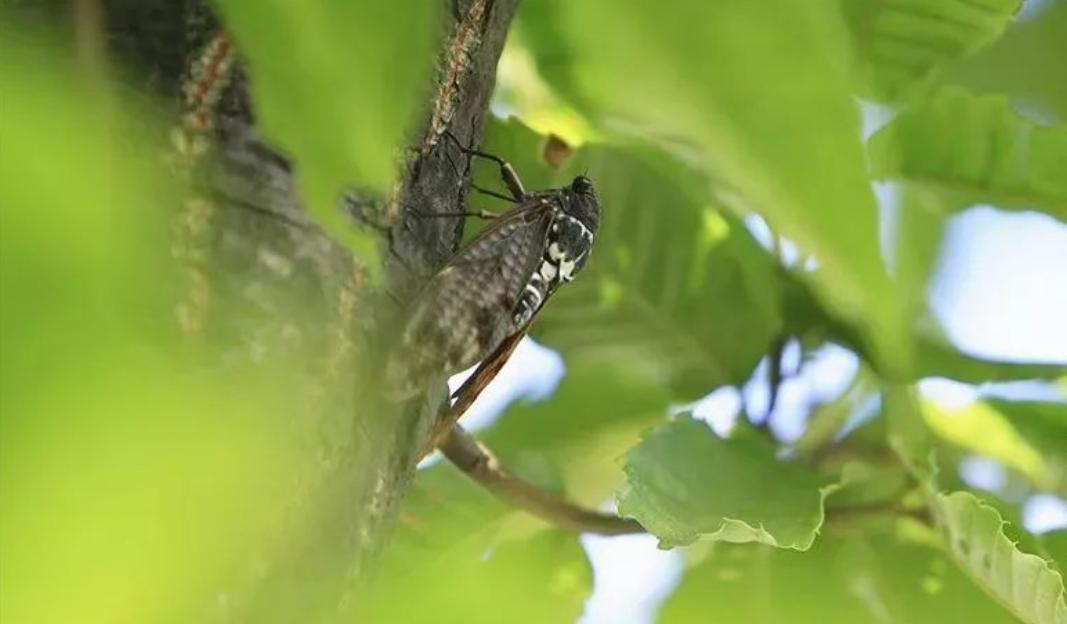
[480, 303]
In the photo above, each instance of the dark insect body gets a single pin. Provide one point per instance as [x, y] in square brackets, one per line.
[487, 294]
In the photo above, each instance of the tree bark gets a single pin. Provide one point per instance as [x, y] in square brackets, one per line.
[264, 284]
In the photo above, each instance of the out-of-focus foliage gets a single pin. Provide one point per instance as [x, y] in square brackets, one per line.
[901, 44]
[982, 428]
[757, 93]
[337, 85]
[875, 579]
[1017, 63]
[975, 148]
[724, 141]
[462, 556]
[134, 489]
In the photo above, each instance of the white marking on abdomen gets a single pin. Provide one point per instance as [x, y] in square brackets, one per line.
[536, 294]
[586, 233]
[566, 270]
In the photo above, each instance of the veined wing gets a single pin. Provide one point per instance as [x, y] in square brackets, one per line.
[466, 309]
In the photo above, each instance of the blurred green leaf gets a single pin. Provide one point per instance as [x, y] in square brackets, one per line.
[454, 559]
[758, 94]
[1016, 64]
[1043, 425]
[839, 581]
[976, 149]
[337, 85]
[684, 482]
[916, 245]
[1023, 583]
[982, 428]
[907, 433]
[902, 43]
[522, 91]
[936, 358]
[134, 489]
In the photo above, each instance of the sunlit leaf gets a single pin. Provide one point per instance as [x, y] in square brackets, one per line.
[521, 91]
[1043, 425]
[684, 482]
[758, 94]
[901, 43]
[1023, 583]
[981, 428]
[977, 149]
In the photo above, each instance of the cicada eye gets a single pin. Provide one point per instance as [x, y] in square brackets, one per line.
[582, 185]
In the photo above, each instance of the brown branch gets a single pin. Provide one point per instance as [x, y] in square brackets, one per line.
[480, 464]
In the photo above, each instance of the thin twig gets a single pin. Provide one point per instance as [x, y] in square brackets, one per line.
[774, 378]
[480, 464]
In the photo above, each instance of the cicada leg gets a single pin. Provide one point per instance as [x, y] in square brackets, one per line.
[507, 172]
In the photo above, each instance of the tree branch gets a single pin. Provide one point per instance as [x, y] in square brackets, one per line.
[480, 464]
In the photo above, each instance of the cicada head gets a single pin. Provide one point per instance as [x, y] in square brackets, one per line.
[580, 201]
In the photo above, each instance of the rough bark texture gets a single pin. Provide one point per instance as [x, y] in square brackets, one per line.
[265, 285]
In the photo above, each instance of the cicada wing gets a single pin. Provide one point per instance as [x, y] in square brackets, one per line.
[467, 309]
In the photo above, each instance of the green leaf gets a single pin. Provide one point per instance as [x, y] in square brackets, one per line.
[143, 487]
[936, 358]
[907, 432]
[861, 579]
[685, 482]
[452, 528]
[976, 149]
[1024, 584]
[1043, 426]
[916, 236]
[982, 428]
[1015, 64]
[673, 286]
[336, 85]
[900, 44]
[758, 94]
[1054, 545]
